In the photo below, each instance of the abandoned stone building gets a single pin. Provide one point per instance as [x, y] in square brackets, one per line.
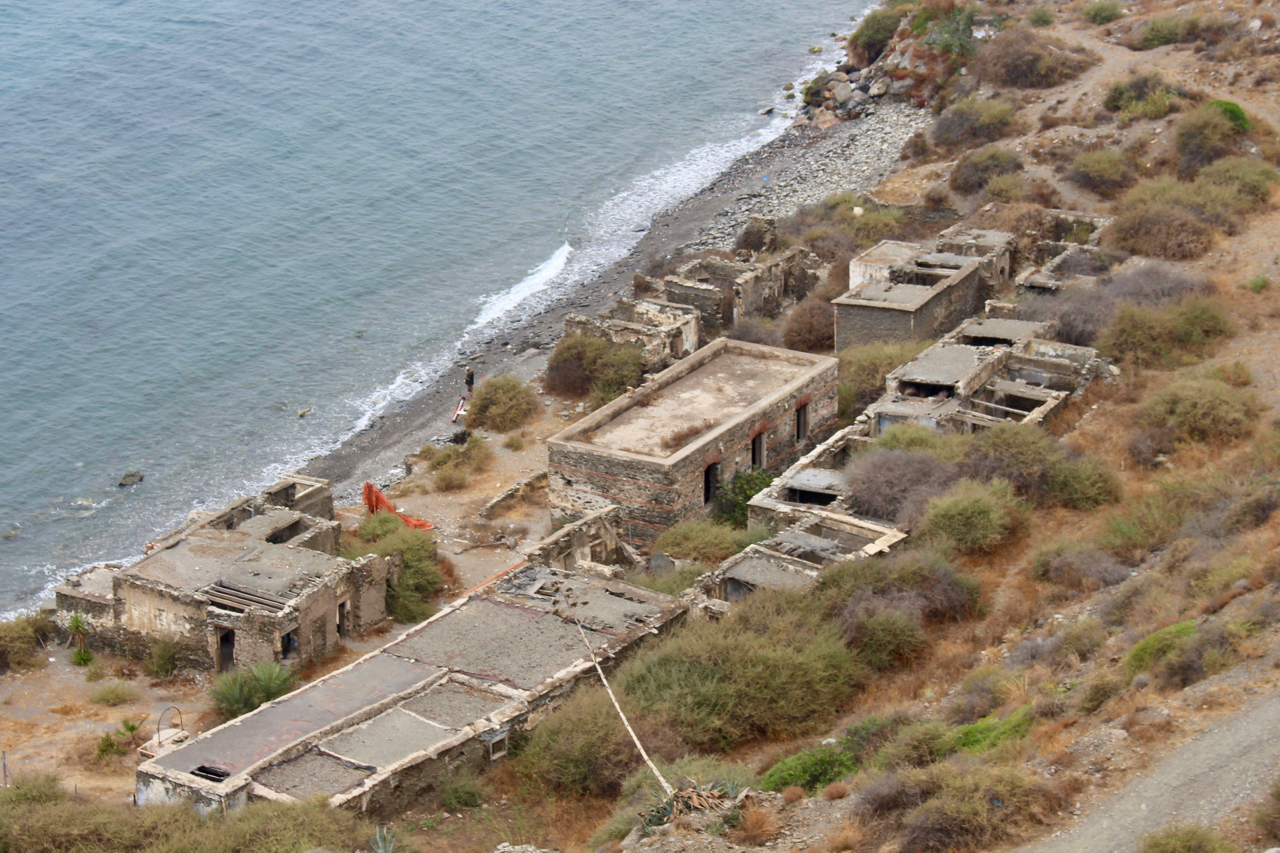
[440, 701]
[902, 291]
[662, 452]
[664, 331]
[724, 292]
[987, 371]
[259, 580]
[593, 543]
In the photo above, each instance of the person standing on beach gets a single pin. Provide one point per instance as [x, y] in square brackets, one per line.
[470, 380]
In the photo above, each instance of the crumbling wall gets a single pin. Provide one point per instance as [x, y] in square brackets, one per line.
[706, 299]
[593, 538]
[863, 323]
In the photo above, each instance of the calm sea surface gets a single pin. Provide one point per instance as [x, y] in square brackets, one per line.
[214, 215]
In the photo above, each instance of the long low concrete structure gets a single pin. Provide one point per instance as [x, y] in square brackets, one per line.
[439, 701]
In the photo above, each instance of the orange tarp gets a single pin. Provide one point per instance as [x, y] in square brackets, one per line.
[377, 502]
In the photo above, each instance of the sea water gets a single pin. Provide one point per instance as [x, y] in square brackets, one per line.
[217, 215]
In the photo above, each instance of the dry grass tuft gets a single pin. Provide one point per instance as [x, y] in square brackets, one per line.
[846, 837]
[759, 824]
[835, 791]
[792, 794]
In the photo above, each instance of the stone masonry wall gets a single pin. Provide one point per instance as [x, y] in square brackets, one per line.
[860, 324]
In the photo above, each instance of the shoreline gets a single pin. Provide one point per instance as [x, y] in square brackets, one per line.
[800, 166]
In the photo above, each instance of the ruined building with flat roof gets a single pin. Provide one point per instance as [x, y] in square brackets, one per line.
[259, 580]
[662, 452]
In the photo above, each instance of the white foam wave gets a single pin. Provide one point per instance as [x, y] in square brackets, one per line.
[537, 280]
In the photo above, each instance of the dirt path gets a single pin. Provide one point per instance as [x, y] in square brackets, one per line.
[1230, 765]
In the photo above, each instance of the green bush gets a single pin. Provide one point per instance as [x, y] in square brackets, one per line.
[977, 168]
[839, 226]
[863, 368]
[772, 668]
[113, 694]
[460, 792]
[1041, 16]
[700, 540]
[1234, 114]
[1158, 645]
[379, 525]
[1160, 32]
[81, 656]
[911, 436]
[919, 745]
[1006, 189]
[1102, 12]
[19, 639]
[409, 596]
[162, 659]
[1105, 171]
[971, 120]
[620, 368]
[876, 29]
[1187, 839]
[1098, 691]
[571, 369]
[502, 404]
[885, 636]
[239, 691]
[812, 769]
[731, 500]
[1202, 410]
[972, 516]
[989, 732]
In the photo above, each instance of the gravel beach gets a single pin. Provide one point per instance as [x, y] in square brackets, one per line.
[802, 166]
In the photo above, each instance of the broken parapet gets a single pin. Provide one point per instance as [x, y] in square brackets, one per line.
[594, 538]
[661, 453]
[664, 331]
[521, 491]
[1068, 265]
[440, 701]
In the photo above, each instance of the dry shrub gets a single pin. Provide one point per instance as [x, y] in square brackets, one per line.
[1027, 59]
[1187, 839]
[700, 540]
[917, 577]
[919, 745]
[758, 824]
[1084, 569]
[770, 669]
[896, 485]
[977, 168]
[847, 836]
[1161, 231]
[1005, 188]
[970, 805]
[1203, 135]
[583, 748]
[886, 629]
[1267, 818]
[811, 326]
[1039, 469]
[582, 365]
[502, 404]
[792, 794]
[972, 516]
[1202, 410]
[1249, 176]
[1102, 12]
[863, 368]
[970, 120]
[682, 436]
[754, 330]
[841, 225]
[1105, 172]
[1164, 337]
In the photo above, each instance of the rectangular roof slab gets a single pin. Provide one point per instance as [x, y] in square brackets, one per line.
[497, 641]
[454, 705]
[763, 572]
[597, 607]
[942, 365]
[386, 739]
[818, 480]
[205, 555]
[887, 253]
[888, 293]
[719, 391]
[309, 774]
[239, 745]
[1000, 329]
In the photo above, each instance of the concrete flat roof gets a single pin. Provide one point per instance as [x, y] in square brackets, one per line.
[391, 736]
[942, 365]
[236, 747]
[999, 329]
[718, 391]
[760, 571]
[311, 773]
[241, 556]
[887, 253]
[888, 294]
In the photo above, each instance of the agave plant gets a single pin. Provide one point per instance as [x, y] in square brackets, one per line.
[384, 841]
